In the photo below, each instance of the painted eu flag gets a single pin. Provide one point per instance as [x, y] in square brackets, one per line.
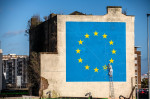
[91, 46]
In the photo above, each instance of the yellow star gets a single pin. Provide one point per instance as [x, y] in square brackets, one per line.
[104, 67]
[87, 67]
[80, 42]
[86, 36]
[113, 51]
[78, 51]
[95, 33]
[111, 61]
[96, 70]
[80, 60]
[104, 36]
[111, 42]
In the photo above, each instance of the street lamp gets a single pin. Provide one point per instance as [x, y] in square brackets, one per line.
[148, 52]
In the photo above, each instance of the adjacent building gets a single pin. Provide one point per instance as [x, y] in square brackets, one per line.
[137, 66]
[15, 70]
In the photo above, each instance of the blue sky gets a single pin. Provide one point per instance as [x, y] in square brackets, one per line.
[14, 15]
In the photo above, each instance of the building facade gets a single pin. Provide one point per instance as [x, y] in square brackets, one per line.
[137, 66]
[15, 70]
[53, 57]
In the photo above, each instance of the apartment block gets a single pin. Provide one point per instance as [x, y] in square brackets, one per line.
[137, 66]
[15, 70]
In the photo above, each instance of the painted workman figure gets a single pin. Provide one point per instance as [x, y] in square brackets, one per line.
[110, 70]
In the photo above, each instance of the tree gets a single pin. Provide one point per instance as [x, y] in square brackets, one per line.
[34, 73]
[144, 83]
[33, 22]
[124, 11]
[45, 18]
[35, 81]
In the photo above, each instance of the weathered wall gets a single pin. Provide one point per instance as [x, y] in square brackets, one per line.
[43, 37]
[53, 66]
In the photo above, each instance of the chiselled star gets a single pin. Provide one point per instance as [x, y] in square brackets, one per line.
[104, 67]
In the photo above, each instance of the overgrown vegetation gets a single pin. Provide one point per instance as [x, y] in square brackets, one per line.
[124, 11]
[35, 21]
[34, 73]
[144, 83]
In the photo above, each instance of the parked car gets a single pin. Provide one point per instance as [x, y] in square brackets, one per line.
[143, 93]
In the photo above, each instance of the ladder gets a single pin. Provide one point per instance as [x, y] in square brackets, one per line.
[111, 88]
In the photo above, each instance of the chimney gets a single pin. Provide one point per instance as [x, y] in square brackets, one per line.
[114, 10]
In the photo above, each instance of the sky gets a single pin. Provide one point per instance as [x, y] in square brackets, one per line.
[14, 16]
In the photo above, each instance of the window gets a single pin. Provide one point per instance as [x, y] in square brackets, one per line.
[135, 73]
[135, 55]
[135, 67]
[135, 61]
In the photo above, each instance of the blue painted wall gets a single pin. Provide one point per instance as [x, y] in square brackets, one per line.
[104, 43]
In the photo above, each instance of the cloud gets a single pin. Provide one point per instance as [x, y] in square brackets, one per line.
[13, 33]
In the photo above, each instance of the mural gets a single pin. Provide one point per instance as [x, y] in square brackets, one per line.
[91, 46]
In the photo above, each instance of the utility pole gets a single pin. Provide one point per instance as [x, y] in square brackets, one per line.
[148, 53]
